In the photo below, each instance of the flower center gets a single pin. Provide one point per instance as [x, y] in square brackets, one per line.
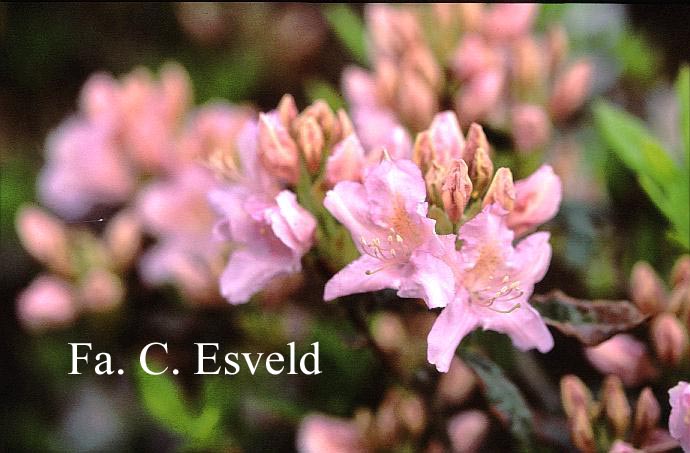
[486, 289]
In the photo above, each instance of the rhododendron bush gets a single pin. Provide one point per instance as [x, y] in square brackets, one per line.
[438, 227]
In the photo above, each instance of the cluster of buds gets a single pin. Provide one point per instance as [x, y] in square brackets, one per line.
[83, 270]
[498, 72]
[610, 424]
[460, 177]
[287, 137]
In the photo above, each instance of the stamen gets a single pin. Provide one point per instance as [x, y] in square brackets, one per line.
[505, 312]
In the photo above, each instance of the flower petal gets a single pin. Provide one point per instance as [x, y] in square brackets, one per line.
[448, 330]
[359, 277]
[431, 280]
[248, 273]
[523, 325]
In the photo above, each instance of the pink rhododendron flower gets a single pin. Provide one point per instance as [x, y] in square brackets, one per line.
[494, 281]
[319, 433]
[386, 216]
[83, 167]
[679, 420]
[270, 230]
[47, 302]
[537, 199]
[623, 356]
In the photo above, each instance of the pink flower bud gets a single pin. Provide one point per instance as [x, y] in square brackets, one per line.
[581, 431]
[623, 356]
[471, 16]
[413, 414]
[480, 96]
[99, 99]
[570, 90]
[669, 338]
[481, 171]
[44, 237]
[575, 395]
[176, 92]
[537, 199]
[346, 163]
[101, 291]
[681, 272]
[557, 46]
[287, 109]
[456, 190]
[389, 332]
[501, 190]
[446, 138]
[319, 433]
[506, 21]
[528, 63]
[47, 302]
[531, 127]
[616, 405]
[277, 150]
[467, 431]
[457, 384]
[647, 415]
[359, 87]
[311, 142]
[416, 101]
[473, 57]
[475, 139]
[646, 289]
[345, 124]
[123, 238]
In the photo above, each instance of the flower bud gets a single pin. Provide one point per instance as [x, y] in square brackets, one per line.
[481, 171]
[669, 338]
[123, 238]
[457, 384]
[447, 142]
[467, 431]
[570, 90]
[277, 150]
[423, 152]
[318, 433]
[574, 395]
[647, 415]
[287, 109]
[101, 290]
[311, 142]
[434, 179]
[531, 127]
[412, 414]
[506, 21]
[456, 190]
[616, 405]
[324, 116]
[582, 432]
[480, 96]
[624, 356]
[471, 15]
[476, 138]
[646, 289]
[345, 124]
[99, 99]
[47, 302]
[389, 332]
[44, 237]
[557, 46]
[416, 101]
[528, 63]
[346, 162]
[681, 271]
[501, 190]
[537, 199]
[176, 91]
[472, 57]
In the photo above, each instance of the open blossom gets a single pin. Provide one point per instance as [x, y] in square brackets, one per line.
[494, 281]
[537, 199]
[268, 228]
[386, 216]
[679, 420]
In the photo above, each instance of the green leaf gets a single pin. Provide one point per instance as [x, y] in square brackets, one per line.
[504, 397]
[683, 91]
[349, 29]
[320, 89]
[591, 322]
[443, 223]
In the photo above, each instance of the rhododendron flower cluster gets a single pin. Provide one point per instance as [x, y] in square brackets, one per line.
[483, 59]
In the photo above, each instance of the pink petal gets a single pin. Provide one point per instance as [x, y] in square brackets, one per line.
[247, 273]
[432, 280]
[451, 326]
[524, 326]
[359, 277]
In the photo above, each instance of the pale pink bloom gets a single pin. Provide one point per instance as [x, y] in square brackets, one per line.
[84, 167]
[44, 237]
[531, 127]
[507, 21]
[623, 356]
[271, 232]
[620, 446]
[47, 302]
[100, 100]
[679, 420]
[537, 199]
[323, 434]
[386, 216]
[480, 96]
[467, 430]
[494, 281]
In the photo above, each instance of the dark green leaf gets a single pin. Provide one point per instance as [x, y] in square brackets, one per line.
[349, 29]
[683, 91]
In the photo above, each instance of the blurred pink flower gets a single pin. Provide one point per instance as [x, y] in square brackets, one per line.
[323, 434]
[467, 430]
[346, 162]
[480, 96]
[47, 302]
[620, 446]
[494, 281]
[623, 356]
[570, 90]
[84, 167]
[386, 216]
[531, 127]
[679, 420]
[44, 237]
[507, 21]
[538, 198]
